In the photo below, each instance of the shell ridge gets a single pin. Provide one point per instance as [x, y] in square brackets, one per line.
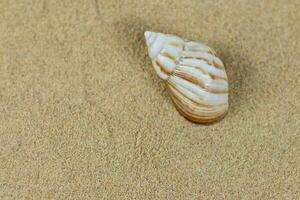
[192, 111]
[204, 96]
[201, 83]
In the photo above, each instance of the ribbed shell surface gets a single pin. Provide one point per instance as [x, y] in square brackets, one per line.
[196, 79]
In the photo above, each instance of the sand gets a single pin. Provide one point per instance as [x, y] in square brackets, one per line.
[84, 116]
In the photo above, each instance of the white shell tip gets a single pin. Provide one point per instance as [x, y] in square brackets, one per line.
[147, 34]
[150, 37]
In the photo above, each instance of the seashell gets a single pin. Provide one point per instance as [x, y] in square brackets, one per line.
[195, 77]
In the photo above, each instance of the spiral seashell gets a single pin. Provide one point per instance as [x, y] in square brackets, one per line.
[195, 78]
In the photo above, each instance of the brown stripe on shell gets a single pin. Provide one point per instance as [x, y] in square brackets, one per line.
[162, 68]
[171, 87]
[196, 50]
[196, 117]
[198, 58]
[212, 76]
[194, 80]
[166, 54]
[211, 51]
[197, 68]
[217, 65]
[209, 62]
[196, 103]
[175, 44]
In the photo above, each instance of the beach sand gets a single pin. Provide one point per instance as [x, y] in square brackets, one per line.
[84, 116]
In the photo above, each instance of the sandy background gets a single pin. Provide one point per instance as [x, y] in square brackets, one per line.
[84, 116]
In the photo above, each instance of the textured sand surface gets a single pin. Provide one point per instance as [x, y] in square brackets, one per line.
[84, 116]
